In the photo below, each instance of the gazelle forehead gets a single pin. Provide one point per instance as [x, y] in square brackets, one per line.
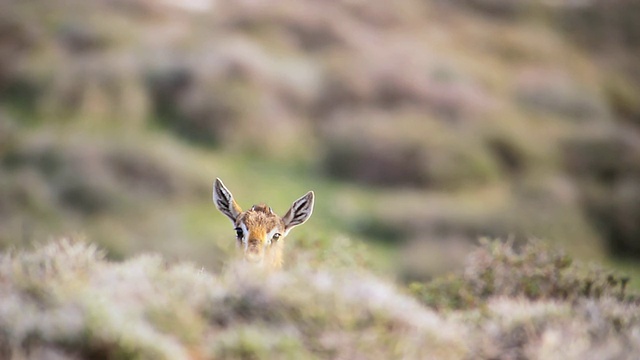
[260, 218]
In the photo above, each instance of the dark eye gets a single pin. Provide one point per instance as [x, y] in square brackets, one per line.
[276, 236]
[239, 232]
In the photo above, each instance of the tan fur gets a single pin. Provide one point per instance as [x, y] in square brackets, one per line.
[261, 222]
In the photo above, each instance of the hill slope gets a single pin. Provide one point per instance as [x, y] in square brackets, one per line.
[418, 123]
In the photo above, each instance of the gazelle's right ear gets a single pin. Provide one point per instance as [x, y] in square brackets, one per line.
[299, 212]
[224, 201]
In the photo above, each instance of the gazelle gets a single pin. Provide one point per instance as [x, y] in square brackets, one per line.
[260, 232]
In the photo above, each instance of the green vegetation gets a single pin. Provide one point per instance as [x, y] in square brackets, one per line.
[485, 118]
[421, 126]
[533, 272]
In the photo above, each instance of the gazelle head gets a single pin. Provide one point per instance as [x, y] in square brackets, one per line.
[259, 231]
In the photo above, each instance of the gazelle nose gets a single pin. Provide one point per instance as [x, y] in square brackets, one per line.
[254, 242]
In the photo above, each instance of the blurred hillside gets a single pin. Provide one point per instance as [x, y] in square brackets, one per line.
[421, 125]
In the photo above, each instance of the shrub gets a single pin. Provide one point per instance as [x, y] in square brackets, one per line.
[534, 272]
[64, 298]
[607, 168]
[548, 92]
[615, 211]
[90, 176]
[409, 151]
[605, 158]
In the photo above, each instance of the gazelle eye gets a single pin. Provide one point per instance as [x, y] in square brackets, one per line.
[239, 232]
[276, 236]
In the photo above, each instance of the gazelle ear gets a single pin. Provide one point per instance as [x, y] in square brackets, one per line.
[224, 201]
[299, 212]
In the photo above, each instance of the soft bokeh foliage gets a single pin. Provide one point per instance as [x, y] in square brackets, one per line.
[428, 108]
[420, 125]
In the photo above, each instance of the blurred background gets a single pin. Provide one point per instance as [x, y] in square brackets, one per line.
[421, 125]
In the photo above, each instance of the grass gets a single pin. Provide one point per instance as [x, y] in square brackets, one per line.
[130, 208]
[277, 101]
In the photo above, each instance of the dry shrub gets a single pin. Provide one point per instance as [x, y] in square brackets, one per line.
[75, 66]
[499, 269]
[608, 29]
[435, 231]
[250, 73]
[409, 151]
[64, 298]
[89, 176]
[607, 167]
[532, 302]
[107, 187]
[605, 157]
[615, 212]
[551, 329]
[548, 92]
[603, 25]
[17, 39]
[624, 97]
[370, 77]
[510, 9]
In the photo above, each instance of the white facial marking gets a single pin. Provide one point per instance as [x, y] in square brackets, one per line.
[245, 231]
[270, 235]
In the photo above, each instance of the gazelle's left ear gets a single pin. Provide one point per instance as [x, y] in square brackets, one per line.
[299, 212]
[224, 201]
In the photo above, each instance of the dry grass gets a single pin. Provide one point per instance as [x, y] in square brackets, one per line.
[63, 300]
